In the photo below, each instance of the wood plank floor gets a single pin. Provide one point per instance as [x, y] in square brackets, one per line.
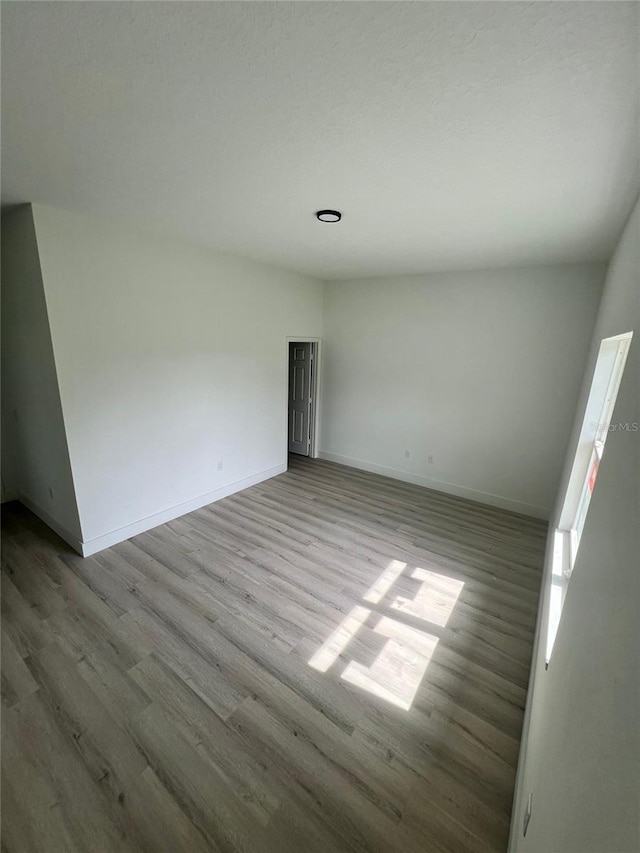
[329, 662]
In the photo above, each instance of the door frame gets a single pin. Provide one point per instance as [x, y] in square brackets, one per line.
[315, 393]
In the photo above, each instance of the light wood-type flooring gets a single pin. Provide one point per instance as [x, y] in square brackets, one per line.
[327, 662]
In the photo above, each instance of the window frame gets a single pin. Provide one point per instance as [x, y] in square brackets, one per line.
[605, 384]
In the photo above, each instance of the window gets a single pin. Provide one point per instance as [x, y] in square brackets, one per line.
[596, 426]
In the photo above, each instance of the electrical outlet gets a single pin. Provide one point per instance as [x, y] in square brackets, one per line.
[407, 454]
[527, 814]
[430, 460]
[220, 465]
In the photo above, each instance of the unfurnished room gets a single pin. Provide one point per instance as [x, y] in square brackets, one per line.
[320, 427]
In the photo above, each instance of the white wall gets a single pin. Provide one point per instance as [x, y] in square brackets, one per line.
[170, 358]
[35, 459]
[581, 748]
[480, 370]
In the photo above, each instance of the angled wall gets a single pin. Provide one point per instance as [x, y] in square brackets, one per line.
[171, 362]
[35, 459]
[478, 370]
[580, 756]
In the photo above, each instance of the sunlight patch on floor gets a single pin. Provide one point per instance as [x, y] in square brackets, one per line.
[384, 583]
[397, 672]
[435, 599]
[332, 648]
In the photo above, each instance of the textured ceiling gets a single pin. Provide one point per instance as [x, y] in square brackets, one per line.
[451, 135]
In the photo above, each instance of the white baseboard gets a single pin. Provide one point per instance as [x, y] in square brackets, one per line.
[439, 485]
[42, 514]
[87, 547]
[106, 540]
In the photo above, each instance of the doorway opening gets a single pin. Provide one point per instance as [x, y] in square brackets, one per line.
[302, 411]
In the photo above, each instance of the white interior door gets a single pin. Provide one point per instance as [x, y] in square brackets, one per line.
[300, 397]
